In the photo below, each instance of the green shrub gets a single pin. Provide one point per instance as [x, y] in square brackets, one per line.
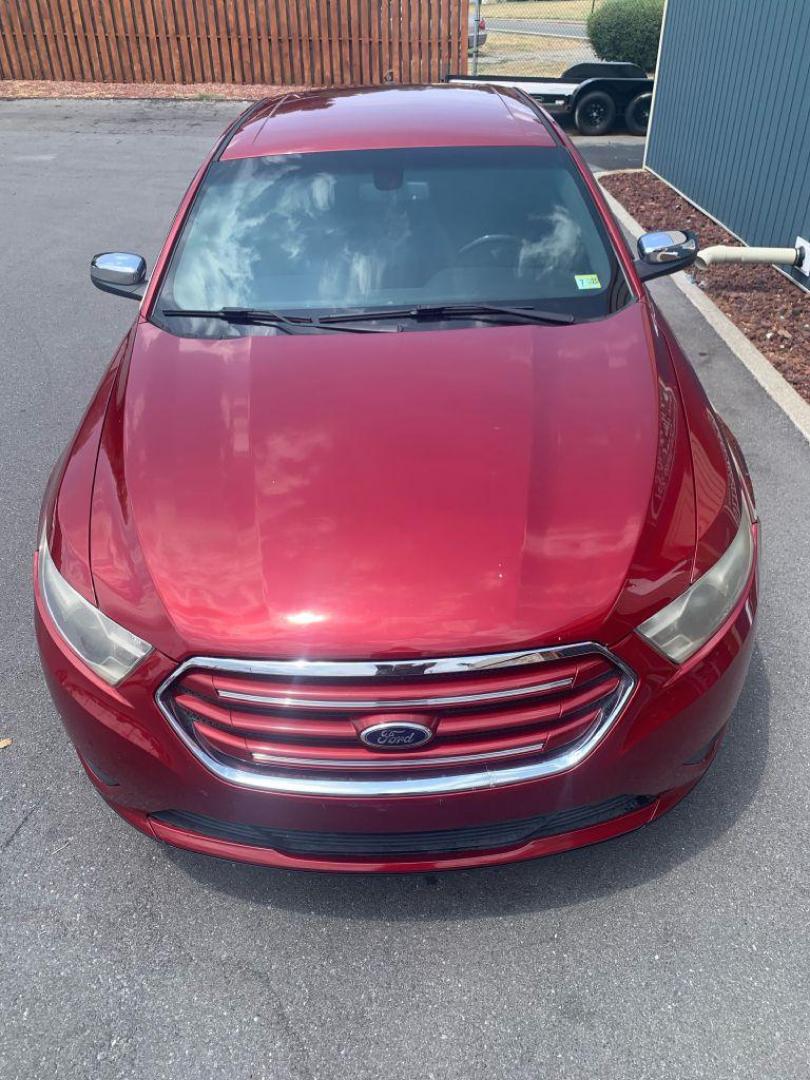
[627, 30]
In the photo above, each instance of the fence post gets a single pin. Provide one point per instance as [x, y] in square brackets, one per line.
[465, 33]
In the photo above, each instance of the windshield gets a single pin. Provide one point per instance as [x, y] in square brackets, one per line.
[327, 233]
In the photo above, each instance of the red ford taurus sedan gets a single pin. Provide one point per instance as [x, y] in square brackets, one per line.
[399, 533]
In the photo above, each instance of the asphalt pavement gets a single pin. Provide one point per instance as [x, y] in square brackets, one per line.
[605, 153]
[676, 953]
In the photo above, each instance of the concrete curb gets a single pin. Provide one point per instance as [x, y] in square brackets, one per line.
[775, 385]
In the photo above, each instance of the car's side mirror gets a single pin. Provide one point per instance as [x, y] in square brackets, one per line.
[119, 272]
[662, 253]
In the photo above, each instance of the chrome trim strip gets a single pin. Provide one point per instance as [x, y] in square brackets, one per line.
[371, 704]
[399, 763]
[355, 788]
[379, 669]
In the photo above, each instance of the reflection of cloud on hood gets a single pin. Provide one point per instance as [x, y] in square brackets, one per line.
[558, 248]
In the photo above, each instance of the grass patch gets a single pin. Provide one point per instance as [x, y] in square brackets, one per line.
[565, 10]
[519, 54]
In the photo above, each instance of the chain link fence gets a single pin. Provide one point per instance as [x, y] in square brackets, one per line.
[528, 37]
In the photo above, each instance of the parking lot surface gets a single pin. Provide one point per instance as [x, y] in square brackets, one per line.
[676, 953]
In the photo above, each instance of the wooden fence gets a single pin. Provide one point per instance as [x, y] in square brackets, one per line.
[287, 42]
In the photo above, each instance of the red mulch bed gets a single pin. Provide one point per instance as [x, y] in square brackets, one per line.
[17, 88]
[771, 312]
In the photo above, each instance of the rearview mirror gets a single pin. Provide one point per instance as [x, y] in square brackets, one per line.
[119, 272]
[665, 253]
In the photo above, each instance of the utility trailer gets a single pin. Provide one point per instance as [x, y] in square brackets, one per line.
[595, 94]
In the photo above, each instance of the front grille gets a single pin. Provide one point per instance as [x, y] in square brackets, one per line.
[504, 834]
[304, 718]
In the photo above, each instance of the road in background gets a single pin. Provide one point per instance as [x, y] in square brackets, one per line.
[680, 951]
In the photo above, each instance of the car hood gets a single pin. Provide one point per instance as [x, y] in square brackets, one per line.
[348, 495]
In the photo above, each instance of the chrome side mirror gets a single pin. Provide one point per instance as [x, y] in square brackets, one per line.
[665, 253]
[119, 272]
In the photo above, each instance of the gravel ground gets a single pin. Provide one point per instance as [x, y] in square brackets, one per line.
[40, 88]
[769, 310]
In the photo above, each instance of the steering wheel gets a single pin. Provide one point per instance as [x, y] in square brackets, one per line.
[494, 245]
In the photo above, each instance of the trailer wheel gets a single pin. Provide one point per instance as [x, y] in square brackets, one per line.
[637, 114]
[595, 113]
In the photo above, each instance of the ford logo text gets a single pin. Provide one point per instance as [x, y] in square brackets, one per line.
[392, 735]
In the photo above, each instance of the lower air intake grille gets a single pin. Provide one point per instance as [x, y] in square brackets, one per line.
[446, 841]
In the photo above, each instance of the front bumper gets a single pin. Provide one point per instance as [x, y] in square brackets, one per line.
[661, 745]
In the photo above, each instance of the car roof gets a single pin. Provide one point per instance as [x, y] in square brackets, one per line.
[388, 117]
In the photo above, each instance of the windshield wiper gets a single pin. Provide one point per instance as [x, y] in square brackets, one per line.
[289, 324]
[454, 311]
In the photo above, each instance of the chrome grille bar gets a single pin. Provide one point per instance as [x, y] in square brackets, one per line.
[401, 763]
[370, 704]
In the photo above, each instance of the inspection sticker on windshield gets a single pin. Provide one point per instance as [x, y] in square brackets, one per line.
[587, 281]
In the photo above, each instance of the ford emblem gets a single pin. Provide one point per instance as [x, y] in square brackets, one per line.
[396, 735]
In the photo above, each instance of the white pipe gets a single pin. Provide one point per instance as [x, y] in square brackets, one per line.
[722, 253]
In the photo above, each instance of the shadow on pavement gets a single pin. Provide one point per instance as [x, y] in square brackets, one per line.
[558, 881]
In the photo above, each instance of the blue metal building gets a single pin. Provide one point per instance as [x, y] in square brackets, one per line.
[730, 127]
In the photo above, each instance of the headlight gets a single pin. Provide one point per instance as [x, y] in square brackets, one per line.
[679, 629]
[110, 650]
